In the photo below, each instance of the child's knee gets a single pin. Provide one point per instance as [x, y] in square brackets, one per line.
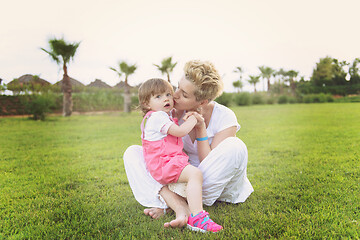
[196, 172]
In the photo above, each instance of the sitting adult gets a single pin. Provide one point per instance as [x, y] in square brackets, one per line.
[222, 158]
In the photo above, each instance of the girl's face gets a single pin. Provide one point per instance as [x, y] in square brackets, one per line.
[161, 102]
[184, 98]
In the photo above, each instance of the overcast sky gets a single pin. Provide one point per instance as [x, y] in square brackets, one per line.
[248, 33]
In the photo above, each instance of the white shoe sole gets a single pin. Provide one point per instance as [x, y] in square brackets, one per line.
[196, 229]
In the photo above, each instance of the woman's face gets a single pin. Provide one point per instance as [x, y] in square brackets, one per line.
[184, 98]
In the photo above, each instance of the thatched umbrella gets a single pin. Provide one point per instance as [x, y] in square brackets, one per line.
[28, 79]
[121, 85]
[75, 84]
[98, 84]
[28, 82]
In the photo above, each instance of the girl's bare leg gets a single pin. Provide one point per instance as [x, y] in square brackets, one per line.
[179, 205]
[194, 179]
[175, 202]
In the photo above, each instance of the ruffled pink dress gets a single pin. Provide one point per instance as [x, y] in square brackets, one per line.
[164, 158]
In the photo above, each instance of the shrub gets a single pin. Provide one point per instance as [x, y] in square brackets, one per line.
[270, 100]
[308, 98]
[283, 99]
[225, 99]
[318, 98]
[329, 98]
[243, 99]
[258, 99]
[97, 101]
[292, 100]
[134, 101]
[39, 105]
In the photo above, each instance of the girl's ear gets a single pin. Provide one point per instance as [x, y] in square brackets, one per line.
[146, 105]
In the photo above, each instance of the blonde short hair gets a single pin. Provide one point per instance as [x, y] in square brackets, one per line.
[150, 88]
[206, 79]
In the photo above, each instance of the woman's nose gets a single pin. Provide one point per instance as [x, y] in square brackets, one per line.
[176, 94]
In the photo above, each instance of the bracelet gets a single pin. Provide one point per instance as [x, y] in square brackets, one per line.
[202, 139]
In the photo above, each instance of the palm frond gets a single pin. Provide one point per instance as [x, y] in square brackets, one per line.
[52, 55]
[166, 65]
[115, 70]
[127, 69]
[66, 50]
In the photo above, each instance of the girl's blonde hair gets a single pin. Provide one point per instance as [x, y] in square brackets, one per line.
[206, 79]
[150, 88]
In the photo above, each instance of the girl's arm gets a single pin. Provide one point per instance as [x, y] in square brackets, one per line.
[183, 129]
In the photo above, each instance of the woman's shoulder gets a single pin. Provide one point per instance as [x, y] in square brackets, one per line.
[223, 117]
[221, 109]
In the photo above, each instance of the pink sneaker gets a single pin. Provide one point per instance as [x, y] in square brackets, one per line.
[201, 222]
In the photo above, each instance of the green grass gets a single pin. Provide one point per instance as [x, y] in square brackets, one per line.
[64, 178]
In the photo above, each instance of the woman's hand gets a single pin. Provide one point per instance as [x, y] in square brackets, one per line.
[198, 116]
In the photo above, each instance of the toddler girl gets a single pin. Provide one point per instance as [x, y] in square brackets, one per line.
[163, 149]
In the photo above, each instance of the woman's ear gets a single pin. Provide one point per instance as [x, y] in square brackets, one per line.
[203, 103]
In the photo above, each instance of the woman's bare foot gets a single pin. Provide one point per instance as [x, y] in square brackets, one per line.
[155, 212]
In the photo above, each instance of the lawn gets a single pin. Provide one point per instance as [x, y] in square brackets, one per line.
[64, 178]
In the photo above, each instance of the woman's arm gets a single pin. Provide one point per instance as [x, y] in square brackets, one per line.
[183, 129]
[204, 148]
[220, 136]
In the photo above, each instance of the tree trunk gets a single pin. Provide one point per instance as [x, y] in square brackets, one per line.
[168, 77]
[67, 99]
[264, 80]
[268, 83]
[293, 87]
[127, 97]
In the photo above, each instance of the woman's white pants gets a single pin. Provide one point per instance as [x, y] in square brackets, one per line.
[224, 174]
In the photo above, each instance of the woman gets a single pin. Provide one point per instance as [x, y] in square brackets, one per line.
[222, 157]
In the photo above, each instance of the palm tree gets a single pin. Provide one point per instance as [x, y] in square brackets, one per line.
[62, 52]
[238, 84]
[240, 71]
[266, 73]
[254, 80]
[126, 69]
[292, 75]
[166, 67]
[282, 74]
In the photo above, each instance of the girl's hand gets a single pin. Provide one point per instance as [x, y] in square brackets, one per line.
[188, 115]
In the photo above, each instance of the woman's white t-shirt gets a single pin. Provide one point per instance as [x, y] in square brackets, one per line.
[221, 118]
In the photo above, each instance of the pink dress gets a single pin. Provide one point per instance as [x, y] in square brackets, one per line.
[164, 158]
